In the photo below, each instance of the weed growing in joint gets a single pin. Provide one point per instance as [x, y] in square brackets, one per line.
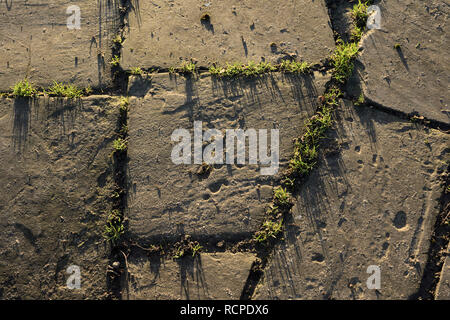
[23, 88]
[118, 40]
[302, 162]
[187, 68]
[281, 197]
[186, 246]
[273, 213]
[120, 145]
[289, 66]
[360, 101]
[288, 183]
[253, 69]
[115, 61]
[196, 248]
[356, 34]
[88, 90]
[123, 104]
[306, 148]
[342, 60]
[137, 71]
[304, 158]
[270, 230]
[114, 227]
[124, 129]
[64, 90]
[331, 97]
[238, 69]
[178, 253]
[231, 70]
[359, 13]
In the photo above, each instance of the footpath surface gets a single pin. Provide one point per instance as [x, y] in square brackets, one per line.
[370, 204]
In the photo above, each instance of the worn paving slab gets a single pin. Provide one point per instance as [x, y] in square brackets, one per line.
[165, 33]
[443, 287]
[414, 78]
[54, 198]
[219, 275]
[167, 200]
[374, 202]
[36, 43]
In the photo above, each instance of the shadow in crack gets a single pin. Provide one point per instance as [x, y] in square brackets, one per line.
[108, 26]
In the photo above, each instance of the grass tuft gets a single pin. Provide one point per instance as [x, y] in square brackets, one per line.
[238, 69]
[306, 148]
[289, 66]
[342, 60]
[88, 90]
[118, 40]
[114, 227]
[137, 71]
[186, 246]
[64, 90]
[187, 68]
[270, 230]
[120, 145]
[24, 88]
[359, 14]
[360, 101]
[281, 197]
[124, 102]
[115, 61]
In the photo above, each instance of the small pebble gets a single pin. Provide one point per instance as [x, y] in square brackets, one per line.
[220, 244]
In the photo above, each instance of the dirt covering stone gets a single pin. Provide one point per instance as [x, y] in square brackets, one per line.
[57, 178]
[373, 202]
[402, 65]
[35, 42]
[443, 287]
[206, 276]
[165, 34]
[168, 200]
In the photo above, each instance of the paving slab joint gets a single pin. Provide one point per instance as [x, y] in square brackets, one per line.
[439, 243]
